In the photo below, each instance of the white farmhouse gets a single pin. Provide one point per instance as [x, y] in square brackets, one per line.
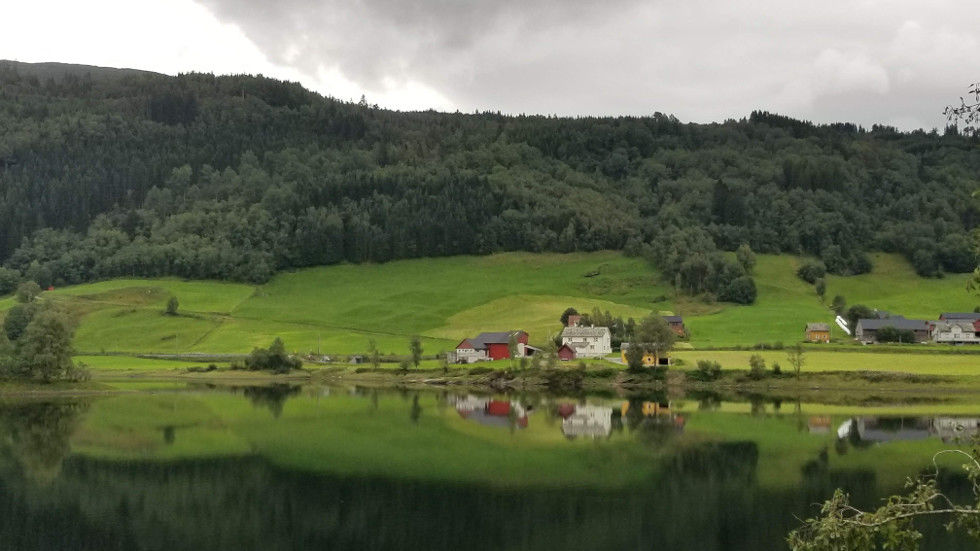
[956, 332]
[588, 342]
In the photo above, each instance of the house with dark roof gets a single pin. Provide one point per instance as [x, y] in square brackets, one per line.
[818, 332]
[490, 346]
[960, 316]
[676, 324]
[866, 330]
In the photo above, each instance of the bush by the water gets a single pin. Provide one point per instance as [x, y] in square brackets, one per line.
[706, 371]
[757, 367]
[36, 342]
[274, 359]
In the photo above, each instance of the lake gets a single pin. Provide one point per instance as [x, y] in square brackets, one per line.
[175, 466]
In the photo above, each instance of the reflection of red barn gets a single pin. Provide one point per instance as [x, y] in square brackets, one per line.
[566, 353]
[498, 407]
[566, 410]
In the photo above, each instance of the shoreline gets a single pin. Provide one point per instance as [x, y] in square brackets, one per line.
[842, 384]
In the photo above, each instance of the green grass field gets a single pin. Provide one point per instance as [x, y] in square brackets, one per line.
[338, 309]
[819, 361]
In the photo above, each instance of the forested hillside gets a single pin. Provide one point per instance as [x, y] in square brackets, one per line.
[127, 173]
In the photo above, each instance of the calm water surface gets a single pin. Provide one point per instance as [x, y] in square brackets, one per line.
[325, 468]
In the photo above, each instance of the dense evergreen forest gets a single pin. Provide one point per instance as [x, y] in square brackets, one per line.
[125, 173]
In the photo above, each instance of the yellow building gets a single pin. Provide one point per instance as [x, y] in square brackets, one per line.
[818, 332]
[649, 358]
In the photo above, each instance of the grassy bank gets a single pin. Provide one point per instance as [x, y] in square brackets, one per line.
[338, 309]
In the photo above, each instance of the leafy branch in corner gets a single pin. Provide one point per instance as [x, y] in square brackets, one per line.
[841, 526]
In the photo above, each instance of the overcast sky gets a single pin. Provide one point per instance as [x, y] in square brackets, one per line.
[893, 62]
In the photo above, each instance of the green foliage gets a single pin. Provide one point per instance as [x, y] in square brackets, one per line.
[745, 257]
[858, 312]
[810, 271]
[27, 292]
[841, 525]
[17, 319]
[757, 367]
[820, 286]
[9, 279]
[706, 371]
[415, 347]
[777, 370]
[892, 334]
[274, 359]
[797, 358]
[838, 304]
[172, 306]
[237, 177]
[741, 290]
[634, 357]
[374, 356]
[43, 350]
[654, 335]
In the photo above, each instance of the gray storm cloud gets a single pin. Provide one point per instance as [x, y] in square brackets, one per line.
[894, 62]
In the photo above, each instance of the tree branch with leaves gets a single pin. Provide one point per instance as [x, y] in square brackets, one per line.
[841, 526]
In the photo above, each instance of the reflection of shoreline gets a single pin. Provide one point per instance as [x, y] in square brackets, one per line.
[900, 429]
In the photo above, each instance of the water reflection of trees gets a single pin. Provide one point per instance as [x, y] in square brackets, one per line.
[35, 436]
[272, 397]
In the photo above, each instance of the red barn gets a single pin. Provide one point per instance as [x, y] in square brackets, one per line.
[491, 346]
[566, 353]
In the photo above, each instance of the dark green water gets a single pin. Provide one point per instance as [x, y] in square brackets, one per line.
[304, 468]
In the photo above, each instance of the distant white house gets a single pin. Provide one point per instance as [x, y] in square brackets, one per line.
[956, 332]
[588, 342]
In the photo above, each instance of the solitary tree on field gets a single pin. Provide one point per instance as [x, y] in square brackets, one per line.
[745, 257]
[838, 304]
[172, 305]
[796, 358]
[655, 336]
[373, 355]
[416, 348]
[821, 287]
[634, 356]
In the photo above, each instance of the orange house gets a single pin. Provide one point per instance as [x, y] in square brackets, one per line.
[818, 332]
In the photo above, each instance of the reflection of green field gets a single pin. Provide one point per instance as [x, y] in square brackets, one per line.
[361, 435]
[815, 360]
[348, 435]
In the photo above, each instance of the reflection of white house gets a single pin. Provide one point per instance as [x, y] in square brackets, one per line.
[589, 421]
[956, 332]
[885, 429]
[588, 342]
[956, 428]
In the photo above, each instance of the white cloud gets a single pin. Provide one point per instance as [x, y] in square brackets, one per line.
[861, 60]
